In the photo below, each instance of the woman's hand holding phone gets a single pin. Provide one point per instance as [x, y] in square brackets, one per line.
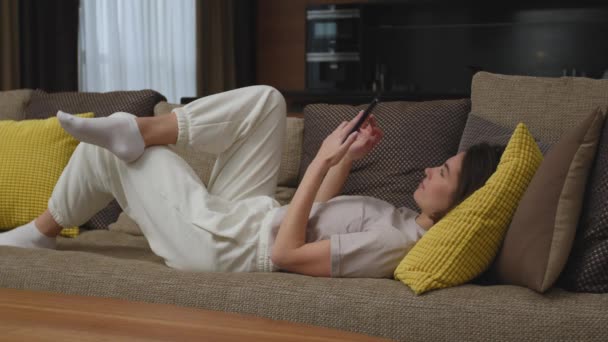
[335, 146]
[366, 113]
[368, 138]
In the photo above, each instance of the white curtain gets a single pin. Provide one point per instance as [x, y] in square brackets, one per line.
[138, 44]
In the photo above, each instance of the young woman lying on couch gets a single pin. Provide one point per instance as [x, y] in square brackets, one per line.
[234, 224]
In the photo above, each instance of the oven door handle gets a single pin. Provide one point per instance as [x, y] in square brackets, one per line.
[332, 57]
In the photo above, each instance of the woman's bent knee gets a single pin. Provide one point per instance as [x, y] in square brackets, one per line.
[274, 97]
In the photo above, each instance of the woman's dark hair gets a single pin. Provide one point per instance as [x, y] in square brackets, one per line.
[479, 163]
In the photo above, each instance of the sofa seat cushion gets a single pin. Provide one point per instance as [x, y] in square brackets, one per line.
[111, 264]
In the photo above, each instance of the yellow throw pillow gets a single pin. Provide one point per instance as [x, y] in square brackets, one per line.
[34, 154]
[463, 244]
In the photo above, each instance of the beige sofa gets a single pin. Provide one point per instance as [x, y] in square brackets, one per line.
[119, 263]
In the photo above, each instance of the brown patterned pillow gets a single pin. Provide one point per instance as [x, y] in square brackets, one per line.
[416, 135]
[587, 266]
[141, 103]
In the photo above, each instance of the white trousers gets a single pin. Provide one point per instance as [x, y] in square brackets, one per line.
[213, 228]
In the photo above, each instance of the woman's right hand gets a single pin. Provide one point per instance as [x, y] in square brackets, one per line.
[333, 150]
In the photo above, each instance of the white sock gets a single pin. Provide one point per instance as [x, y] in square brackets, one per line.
[118, 133]
[27, 236]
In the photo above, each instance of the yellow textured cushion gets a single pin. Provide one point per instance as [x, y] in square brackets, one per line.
[463, 244]
[34, 154]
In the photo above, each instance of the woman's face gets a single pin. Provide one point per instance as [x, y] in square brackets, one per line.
[436, 191]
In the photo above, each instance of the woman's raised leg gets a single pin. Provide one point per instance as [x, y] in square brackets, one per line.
[245, 128]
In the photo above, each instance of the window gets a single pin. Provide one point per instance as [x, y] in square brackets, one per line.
[138, 44]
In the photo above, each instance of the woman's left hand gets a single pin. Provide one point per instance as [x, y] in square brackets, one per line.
[369, 136]
[333, 149]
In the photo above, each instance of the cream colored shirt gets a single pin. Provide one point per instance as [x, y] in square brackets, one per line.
[368, 236]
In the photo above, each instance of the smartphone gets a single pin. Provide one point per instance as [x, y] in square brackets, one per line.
[361, 120]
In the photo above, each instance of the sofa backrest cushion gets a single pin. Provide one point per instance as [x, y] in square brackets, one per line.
[137, 102]
[417, 135]
[548, 106]
[13, 103]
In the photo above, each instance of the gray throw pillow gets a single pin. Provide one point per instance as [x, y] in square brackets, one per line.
[141, 103]
[416, 135]
[478, 130]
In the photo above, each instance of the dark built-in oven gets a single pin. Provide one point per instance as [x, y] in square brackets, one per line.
[333, 47]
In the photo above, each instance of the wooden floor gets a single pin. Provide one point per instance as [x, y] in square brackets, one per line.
[46, 316]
